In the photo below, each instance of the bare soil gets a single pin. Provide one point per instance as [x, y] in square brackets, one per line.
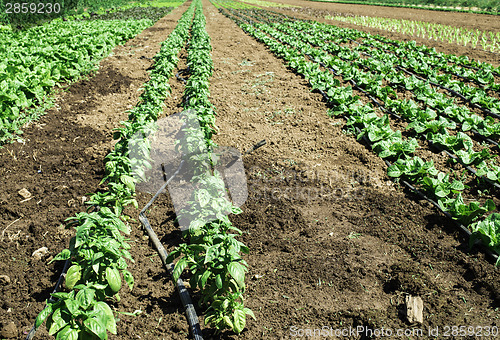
[333, 242]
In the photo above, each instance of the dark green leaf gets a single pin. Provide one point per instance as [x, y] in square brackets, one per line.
[110, 318]
[237, 271]
[129, 279]
[85, 297]
[43, 315]
[179, 268]
[96, 327]
[218, 281]
[204, 278]
[113, 278]
[67, 333]
[248, 311]
[56, 322]
[63, 255]
[72, 306]
[73, 275]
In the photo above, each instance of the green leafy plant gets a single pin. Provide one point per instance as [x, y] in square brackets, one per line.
[465, 213]
[413, 169]
[99, 251]
[489, 170]
[78, 315]
[441, 186]
[38, 58]
[395, 146]
[212, 254]
[228, 312]
[488, 231]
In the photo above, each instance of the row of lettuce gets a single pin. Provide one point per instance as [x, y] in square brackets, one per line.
[469, 6]
[363, 118]
[423, 122]
[36, 60]
[487, 40]
[211, 252]
[99, 251]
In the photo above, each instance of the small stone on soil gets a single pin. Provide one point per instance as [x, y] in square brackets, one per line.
[414, 309]
[4, 280]
[39, 253]
[24, 193]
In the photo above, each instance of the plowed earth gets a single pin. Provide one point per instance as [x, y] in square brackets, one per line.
[333, 242]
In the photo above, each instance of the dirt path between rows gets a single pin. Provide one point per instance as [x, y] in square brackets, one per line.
[59, 163]
[332, 242]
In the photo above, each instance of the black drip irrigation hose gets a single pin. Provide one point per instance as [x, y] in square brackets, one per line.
[477, 69]
[408, 185]
[460, 226]
[391, 43]
[383, 109]
[445, 59]
[456, 94]
[453, 92]
[32, 332]
[481, 86]
[194, 324]
[177, 75]
[191, 315]
[476, 133]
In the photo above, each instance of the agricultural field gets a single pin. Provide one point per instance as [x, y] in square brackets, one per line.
[318, 169]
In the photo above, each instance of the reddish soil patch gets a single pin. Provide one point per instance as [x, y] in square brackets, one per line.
[469, 20]
[333, 242]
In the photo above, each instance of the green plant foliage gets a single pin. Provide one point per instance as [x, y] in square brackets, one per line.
[35, 60]
[134, 13]
[469, 6]
[452, 34]
[213, 254]
[488, 231]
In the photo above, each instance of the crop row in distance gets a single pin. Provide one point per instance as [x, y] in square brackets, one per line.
[488, 41]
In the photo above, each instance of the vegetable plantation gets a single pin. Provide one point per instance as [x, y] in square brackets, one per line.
[371, 177]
